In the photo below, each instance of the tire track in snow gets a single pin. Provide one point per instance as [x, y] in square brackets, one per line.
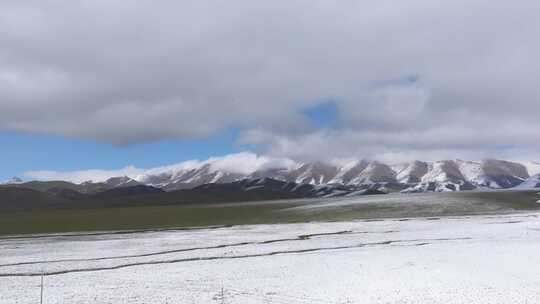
[298, 238]
[212, 258]
[120, 232]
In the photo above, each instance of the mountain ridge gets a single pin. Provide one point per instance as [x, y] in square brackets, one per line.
[18, 198]
[445, 175]
[413, 176]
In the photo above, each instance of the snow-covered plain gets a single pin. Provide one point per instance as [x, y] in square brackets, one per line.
[475, 259]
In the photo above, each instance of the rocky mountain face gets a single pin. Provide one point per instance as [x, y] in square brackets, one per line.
[121, 182]
[186, 178]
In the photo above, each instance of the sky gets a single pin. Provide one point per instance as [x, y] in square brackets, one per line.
[108, 84]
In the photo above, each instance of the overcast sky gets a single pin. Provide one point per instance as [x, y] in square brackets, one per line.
[307, 79]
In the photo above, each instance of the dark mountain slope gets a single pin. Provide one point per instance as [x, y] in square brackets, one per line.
[126, 191]
[18, 198]
[45, 186]
[23, 199]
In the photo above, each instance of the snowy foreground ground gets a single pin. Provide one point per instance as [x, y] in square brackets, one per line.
[475, 259]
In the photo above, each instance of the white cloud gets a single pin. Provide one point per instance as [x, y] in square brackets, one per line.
[246, 163]
[82, 175]
[138, 71]
[443, 142]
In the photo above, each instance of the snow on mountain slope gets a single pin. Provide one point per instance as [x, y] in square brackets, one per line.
[442, 176]
[346, 170]
[532, 182]
[502, 174]
[313, 173]
[349, 172]
[375, 172]
[214, 170]
[532, 167]
[412, 172]
[121, 181]
[470, 170]
[188, 178]
[492, 173]
[281, 174]
[443, 171]
[416, 176]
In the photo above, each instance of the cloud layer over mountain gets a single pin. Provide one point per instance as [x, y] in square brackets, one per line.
[243, 163]
[409, 79]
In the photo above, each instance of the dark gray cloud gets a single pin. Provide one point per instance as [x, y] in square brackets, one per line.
[130, 71]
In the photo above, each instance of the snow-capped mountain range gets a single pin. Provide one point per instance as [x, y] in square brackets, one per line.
[414, 176]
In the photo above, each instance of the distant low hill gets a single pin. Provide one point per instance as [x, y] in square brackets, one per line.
[59, 195]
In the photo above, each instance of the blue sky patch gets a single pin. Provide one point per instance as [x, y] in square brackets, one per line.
[29, 152]
[324, 114]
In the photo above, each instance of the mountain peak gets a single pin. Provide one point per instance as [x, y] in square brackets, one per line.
[121, 181]
[13, 180]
